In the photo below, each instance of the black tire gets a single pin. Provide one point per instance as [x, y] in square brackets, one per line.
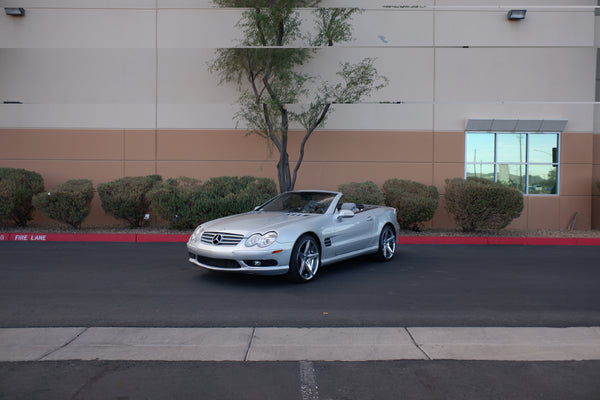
[305, 259]
[387, 244]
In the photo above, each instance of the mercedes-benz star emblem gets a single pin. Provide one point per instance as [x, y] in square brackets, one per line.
[217, 239]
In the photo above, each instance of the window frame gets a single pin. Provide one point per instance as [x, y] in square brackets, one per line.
[555, 163]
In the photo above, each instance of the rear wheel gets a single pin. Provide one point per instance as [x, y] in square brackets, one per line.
[387, 243]
[305, 259]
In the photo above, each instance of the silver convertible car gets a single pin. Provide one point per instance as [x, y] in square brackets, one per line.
[295, 233]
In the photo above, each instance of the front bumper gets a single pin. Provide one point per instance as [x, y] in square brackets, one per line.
[273, 260]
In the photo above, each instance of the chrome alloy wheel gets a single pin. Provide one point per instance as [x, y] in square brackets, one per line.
[305, 261]
[387, 243]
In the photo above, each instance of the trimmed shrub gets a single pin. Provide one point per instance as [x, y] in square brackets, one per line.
[126, 198]
[17, 187]
[415, 203]
[255, 193]
[68, 202]
[177, 201]
[478, 204]
[228, 195]
[185, 203]
[362, 193]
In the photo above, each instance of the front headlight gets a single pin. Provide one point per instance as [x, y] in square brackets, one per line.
[260, 240]
[197, 234]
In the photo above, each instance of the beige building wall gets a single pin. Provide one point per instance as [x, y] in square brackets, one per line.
[427, 157]
[113, 88]
[596, 183]
[596, 140]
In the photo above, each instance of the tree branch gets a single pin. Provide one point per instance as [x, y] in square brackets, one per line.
[309, 132]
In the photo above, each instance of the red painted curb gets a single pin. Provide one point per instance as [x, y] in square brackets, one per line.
[532, 241]
[552, 241]
[441, 240]
[72, 237]
[505, 240]
[147, 238]
[178, 238]
[588, 241]
[91, 237]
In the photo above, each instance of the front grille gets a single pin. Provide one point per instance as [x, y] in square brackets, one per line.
[221, 238]
[216, 262]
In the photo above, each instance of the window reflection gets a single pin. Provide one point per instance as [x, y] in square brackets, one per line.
[543, 148]
[542, 179]
[513, 176]
[480, 148]
[527, 162]
[481, 170]
[512, 148]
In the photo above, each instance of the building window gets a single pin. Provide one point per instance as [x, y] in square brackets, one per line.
[525, 161]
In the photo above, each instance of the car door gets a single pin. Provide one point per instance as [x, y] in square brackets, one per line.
[353, 233]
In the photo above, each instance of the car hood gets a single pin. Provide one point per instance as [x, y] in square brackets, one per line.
[257, 222]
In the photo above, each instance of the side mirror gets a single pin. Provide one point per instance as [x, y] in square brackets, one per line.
[345, 214]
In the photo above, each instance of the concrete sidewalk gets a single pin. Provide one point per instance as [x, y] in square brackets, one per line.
[296, 344]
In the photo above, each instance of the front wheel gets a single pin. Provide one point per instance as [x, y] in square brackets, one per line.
[305, 259]
[387, 244]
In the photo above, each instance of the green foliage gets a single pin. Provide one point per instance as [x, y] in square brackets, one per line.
[414, 202]
[177, 202]
[333, 25]
[266, 3]
[227, 195]
[185, 202]
[17, 187]
[127, 198]
[478, 204]
[362, 193]
[68, 202]
[267, 69]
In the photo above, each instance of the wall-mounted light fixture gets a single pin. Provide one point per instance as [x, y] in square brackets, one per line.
[14, 11]
[516, 15]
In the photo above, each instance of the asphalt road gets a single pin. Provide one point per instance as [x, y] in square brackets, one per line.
[153, 285]
[406, 380]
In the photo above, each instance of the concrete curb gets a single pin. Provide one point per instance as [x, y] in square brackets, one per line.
[179, 238]
[93, 237]
[536, 241]
[300, 344]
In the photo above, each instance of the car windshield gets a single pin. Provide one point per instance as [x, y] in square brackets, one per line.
[301, 202]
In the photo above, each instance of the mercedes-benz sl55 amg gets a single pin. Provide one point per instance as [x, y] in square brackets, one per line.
[295, 233]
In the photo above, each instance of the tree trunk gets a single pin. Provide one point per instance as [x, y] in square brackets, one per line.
[283, 166]
[283, 173]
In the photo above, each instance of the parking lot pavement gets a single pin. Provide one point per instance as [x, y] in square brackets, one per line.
[296, 344]
[300, 380]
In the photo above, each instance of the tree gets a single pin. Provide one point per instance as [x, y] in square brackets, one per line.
[274, 92]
